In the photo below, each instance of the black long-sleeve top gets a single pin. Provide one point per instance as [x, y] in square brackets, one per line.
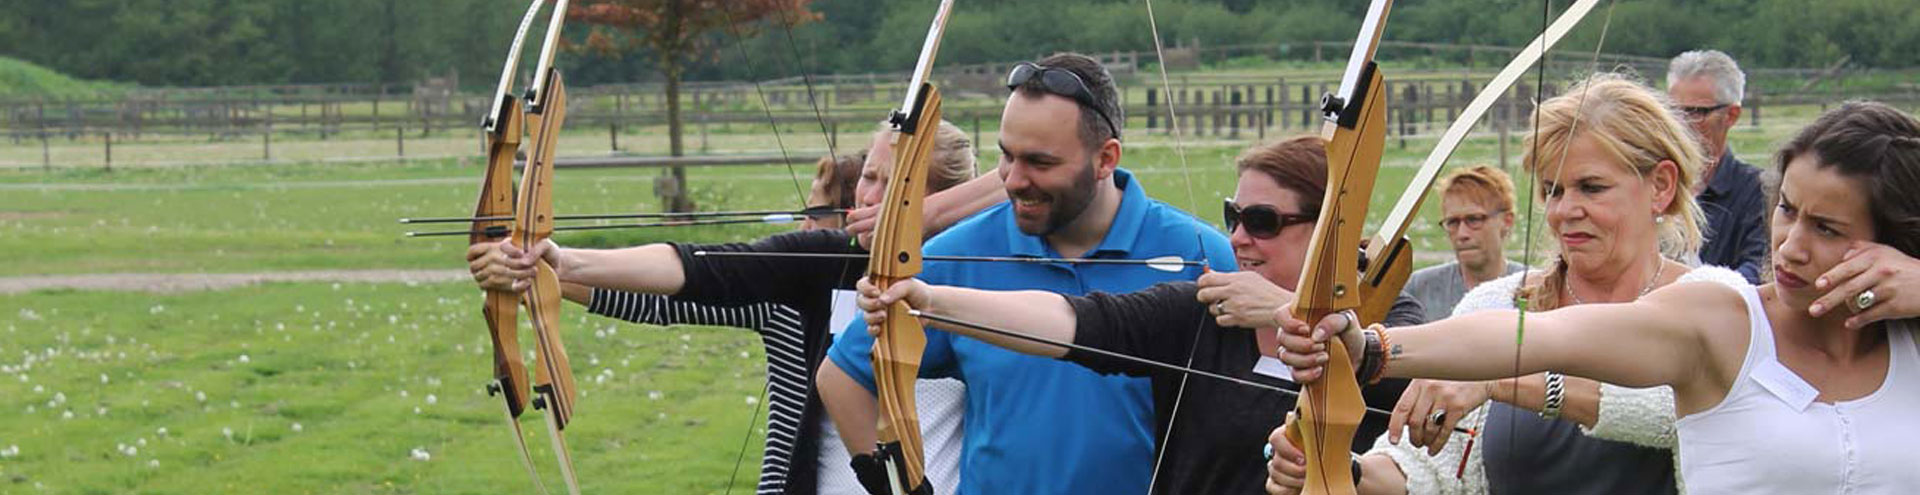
[805, 286]
[1216, 446]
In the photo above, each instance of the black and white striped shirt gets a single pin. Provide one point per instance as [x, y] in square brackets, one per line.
[788, 374]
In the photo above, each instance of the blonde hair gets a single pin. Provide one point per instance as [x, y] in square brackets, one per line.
[1483, 185]
[1637, 128]
[953, 156]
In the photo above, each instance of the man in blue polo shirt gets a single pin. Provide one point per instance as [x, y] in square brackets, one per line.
[1033, 424]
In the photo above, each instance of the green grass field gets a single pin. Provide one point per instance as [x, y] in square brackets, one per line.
[376, 387]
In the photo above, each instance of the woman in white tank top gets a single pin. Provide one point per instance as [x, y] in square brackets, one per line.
[1774, 394]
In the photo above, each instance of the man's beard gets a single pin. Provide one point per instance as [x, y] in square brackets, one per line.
[1066, 206]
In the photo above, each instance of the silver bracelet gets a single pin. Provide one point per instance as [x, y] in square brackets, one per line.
[1556, 392]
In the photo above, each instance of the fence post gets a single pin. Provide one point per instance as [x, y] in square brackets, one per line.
[1233, 113]
[1217, 118]
[1153, 121]
[976, 142]
[613, 136]
[1306, 106]
[46, 156]
[400, 140]
[109, 135]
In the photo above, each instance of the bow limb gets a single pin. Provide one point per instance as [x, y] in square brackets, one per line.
[896, 255]
[1330, 409]
[1389, 253]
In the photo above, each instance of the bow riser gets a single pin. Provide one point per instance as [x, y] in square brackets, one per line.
[1333, 406]
[553, 378]
[1353, 158]
[502, 308]
[896, 256]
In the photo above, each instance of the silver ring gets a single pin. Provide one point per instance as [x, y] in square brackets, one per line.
[1438, 417]
[1865, 300]
[1220, 308]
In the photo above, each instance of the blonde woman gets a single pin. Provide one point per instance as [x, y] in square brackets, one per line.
[1774, 395]
[1615, 169]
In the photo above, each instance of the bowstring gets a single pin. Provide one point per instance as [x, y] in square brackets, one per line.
[1540, 71]
[1186, 173]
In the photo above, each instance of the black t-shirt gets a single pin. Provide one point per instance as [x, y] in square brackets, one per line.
[806, 285]
[1222, 426]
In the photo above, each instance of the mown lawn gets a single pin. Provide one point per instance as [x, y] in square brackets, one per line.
[359, 388]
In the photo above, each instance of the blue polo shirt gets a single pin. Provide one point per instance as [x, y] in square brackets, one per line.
[1034, 424]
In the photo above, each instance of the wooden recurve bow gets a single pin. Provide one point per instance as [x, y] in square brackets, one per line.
[546, 109]
[1330, 409]
[899, 341]
[501, 130]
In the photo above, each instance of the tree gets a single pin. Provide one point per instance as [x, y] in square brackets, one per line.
[677, 33]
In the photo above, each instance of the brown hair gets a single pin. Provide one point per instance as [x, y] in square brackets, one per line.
[834, 178]
[1637, 128]
[1483, 185]
[1878, 145]
[1298, 164]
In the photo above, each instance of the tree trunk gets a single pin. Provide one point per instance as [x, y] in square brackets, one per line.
[677, 199]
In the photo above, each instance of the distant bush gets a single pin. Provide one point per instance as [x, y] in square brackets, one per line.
[22, 79]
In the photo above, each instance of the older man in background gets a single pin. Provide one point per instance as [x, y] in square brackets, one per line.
[1708, 86]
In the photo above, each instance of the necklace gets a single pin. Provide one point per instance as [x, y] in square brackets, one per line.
[1661, 267]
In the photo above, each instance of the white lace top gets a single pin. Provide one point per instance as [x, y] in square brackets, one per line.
[1642, 416]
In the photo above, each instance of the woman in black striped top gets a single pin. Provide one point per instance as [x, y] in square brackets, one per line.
[791, 305]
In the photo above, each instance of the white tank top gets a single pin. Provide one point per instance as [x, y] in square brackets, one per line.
[1770, 436]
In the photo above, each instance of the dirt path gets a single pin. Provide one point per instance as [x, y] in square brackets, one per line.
[184, 282]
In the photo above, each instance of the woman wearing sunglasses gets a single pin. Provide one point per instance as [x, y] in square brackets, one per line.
[1774, 395]
[1215, 445]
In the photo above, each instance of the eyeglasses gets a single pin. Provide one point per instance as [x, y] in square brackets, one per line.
[1699, 113]
[1060, 82]
[1262, 221]
[1472, 221]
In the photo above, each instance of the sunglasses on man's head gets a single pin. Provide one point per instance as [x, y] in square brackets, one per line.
[1060, 82]
[1261, 221]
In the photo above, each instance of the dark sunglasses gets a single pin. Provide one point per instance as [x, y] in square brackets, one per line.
[1060, 82]
[1697, 113]
[1261, 221]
